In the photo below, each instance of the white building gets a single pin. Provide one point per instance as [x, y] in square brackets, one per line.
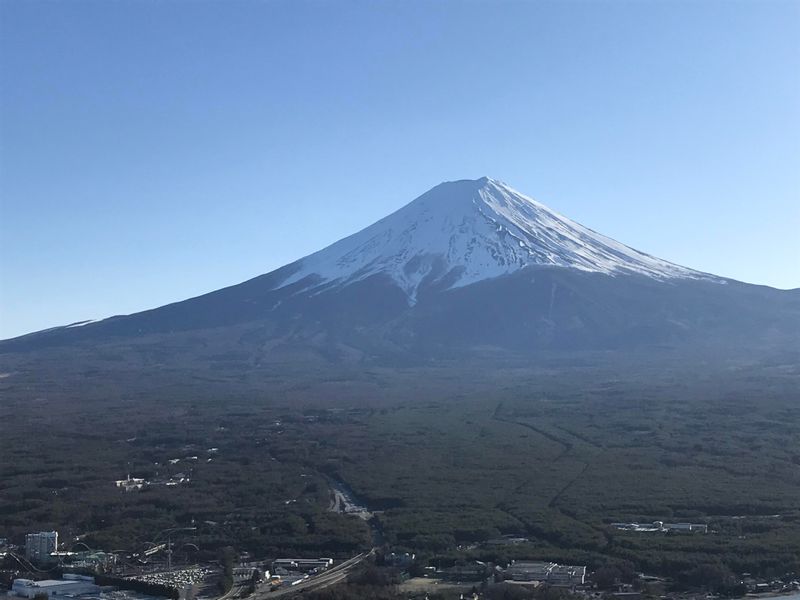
[690, 527]
[39, 546]
[71, 585]
[302, 564]
[131, 483]
[549, 572]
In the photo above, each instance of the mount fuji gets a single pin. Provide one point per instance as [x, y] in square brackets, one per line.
[468, 268]
[467, 231]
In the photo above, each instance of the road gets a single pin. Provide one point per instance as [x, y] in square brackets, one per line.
[231, 593]
[318, 582]
[343, 501]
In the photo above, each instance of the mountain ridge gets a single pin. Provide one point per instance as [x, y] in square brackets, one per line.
[467, 266]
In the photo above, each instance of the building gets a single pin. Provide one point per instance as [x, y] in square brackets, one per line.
[245, 574]
[548, 572]
[528, 571]
[401, 561]
[661, 526]
[690, 527]
[302, 564]
[506, 540]
[567, 575]
[39, 546]
[472, 572]
[71, 585]
[131, 483]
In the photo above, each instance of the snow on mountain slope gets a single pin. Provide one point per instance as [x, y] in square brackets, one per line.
[466, 231]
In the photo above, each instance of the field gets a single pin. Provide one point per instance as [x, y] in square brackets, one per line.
[449, 458]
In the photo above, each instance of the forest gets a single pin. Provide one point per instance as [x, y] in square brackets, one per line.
[448, 459]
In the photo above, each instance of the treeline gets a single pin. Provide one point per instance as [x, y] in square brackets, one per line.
[228, 562]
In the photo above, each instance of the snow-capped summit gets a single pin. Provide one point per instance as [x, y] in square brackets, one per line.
[462, 232]
[468, 269]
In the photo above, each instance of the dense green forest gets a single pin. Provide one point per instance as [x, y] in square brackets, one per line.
[448, 458]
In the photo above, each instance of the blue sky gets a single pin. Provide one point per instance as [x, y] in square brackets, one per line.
[154, 150]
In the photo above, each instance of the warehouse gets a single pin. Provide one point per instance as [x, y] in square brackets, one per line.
[71, 585]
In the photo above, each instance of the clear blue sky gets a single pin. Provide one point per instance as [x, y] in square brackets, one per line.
[155, 150]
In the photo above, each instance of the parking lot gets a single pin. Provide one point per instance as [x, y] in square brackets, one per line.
[179, 578]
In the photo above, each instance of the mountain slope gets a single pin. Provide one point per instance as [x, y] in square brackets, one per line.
[468, 267]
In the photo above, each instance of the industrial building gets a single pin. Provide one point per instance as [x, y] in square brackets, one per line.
[567, 575]
[548, 572]
[131, 483]
[690, 527]
[71, 585]
[301, 564]
[476, 571]
[39, 546]
[661, 526]
[401, 561]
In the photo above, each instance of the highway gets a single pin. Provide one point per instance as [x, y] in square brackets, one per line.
[231, 593]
